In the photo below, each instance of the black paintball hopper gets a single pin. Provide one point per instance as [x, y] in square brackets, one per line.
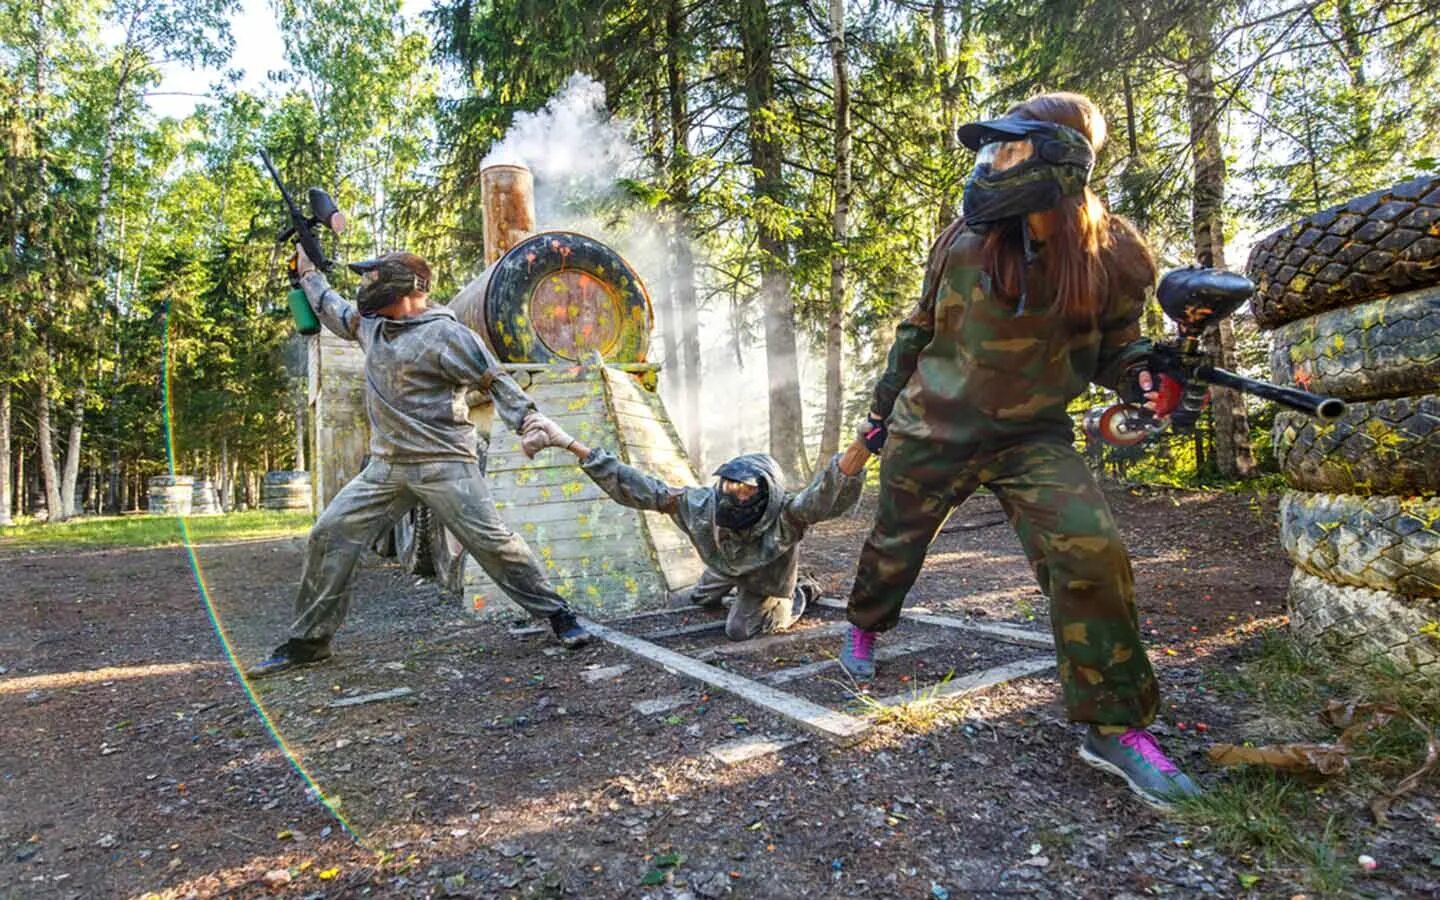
[1195, 297]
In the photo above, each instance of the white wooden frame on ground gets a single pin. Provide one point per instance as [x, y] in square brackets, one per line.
[839, 727]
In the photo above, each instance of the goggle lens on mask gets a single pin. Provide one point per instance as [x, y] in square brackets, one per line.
[1001, 156]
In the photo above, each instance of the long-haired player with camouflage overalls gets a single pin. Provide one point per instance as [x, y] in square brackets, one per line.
[1034, 293]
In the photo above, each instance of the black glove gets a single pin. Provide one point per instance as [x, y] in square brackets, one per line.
[873, 432]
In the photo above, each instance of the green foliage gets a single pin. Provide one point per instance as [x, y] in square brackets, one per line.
[114, 220]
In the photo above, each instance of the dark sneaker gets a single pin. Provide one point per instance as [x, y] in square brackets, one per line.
[857, 655]
[1136, 757]
[295, 653]
[806, 593]
[568, 631]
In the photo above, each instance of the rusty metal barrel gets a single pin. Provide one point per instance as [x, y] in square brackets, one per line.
[285, 490]
[170, 495]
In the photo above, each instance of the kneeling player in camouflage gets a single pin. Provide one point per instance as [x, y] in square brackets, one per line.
[746, 528]
[419, 363]
[1029, 297]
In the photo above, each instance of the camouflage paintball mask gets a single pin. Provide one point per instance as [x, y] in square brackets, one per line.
[389, 278]
[740, 494]
[1022, 166]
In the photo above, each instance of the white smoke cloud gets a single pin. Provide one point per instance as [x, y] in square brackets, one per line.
[578, 154]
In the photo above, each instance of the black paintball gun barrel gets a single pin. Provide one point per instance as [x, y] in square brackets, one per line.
[323, 212]
[1196, 298]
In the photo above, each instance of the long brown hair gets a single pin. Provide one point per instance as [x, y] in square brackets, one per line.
[1090, 255]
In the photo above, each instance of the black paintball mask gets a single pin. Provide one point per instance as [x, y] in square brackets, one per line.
[1022, 166]
[730, 510]
[387, 279]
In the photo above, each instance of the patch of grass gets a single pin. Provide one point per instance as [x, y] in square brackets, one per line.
[922, 711]
[154, 531]
[1262, 816]
[1311, 828]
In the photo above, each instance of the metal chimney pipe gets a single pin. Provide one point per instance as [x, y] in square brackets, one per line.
[507, 196]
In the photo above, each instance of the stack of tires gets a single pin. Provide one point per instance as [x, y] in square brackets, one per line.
[1352, 295]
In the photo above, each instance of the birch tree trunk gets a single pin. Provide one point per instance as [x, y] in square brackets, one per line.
[6, 489]
[787, 443]
[45, 440]
[1232, 453]
[839, 239]
[72, 455]
[682, 280]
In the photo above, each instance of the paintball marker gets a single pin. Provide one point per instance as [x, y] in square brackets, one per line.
[323, 211]
[1196, 298]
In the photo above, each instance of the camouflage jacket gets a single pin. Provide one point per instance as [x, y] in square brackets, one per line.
[966, 370]
[417, 372]
[762, 559]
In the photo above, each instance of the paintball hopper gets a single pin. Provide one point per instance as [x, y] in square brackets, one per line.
[1196, 298]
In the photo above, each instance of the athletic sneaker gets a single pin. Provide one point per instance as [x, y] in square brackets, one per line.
[1135, 756]
[295, 653]
[568, 631]
[857, 655]
[806, 593]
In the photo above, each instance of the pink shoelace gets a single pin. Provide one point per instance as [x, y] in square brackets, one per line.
[1143, 743]
[862, 643]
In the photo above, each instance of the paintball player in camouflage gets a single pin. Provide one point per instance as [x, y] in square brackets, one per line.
[746, 528]
[419, 363]
[1031, 295]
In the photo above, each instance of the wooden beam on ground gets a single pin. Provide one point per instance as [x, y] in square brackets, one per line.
[733, 753]
[1006, 633]
[835, 726]
[969, 684]
[681, 631]
[650, 614]
[882, 653]
[762, 644]
[658, 705]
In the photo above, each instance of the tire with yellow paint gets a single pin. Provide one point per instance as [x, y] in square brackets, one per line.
[1381, 348]
[1366, 625]
[559, 296]
[1378, 447]
[1382, 543]
[1380, 244]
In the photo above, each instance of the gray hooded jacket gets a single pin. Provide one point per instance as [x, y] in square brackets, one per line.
[764, 558]
[417, 372]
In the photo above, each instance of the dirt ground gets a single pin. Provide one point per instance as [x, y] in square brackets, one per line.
[132, 761]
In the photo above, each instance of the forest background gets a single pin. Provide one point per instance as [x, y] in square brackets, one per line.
[775, 170]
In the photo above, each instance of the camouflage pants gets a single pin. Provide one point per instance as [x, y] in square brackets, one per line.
[752, 614]
[456, 494]
[1069, 536]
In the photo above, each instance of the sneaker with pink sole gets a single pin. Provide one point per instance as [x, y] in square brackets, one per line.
[857, 655]
[1135, 756]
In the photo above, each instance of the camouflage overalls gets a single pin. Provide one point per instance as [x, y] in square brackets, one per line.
[977, 395]
[760, 564]
[422, 450]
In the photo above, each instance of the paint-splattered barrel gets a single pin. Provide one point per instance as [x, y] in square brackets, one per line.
[171, 495]
[556, 297]
[285, 490]
[205, 499]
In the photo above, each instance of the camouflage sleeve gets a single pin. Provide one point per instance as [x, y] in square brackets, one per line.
[830, 493]
[912, 336]
[333, 311]
[468, 361]
[1122, 348]
[915, 333]
[629, 486]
